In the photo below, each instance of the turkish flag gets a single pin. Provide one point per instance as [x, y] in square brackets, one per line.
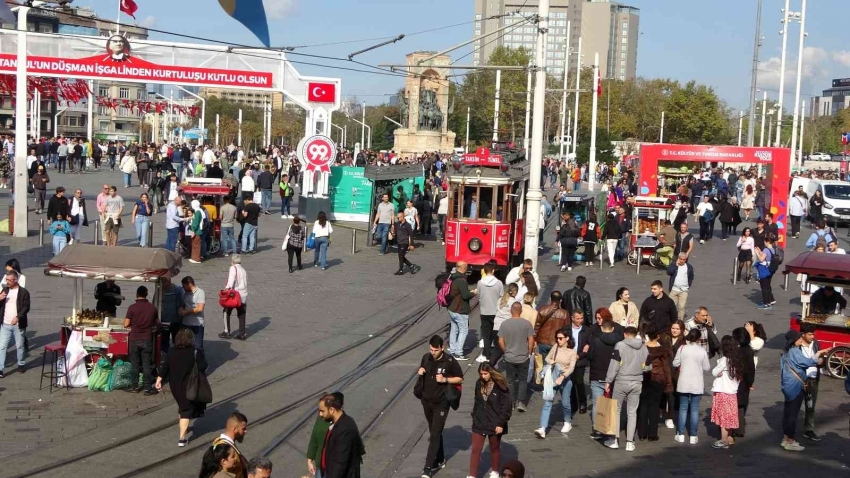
[321, 92]
[129, 7]
[599, 86]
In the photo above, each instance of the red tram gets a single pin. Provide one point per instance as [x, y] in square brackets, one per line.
[485, 220]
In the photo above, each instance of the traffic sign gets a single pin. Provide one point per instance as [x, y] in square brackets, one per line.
[317, 152]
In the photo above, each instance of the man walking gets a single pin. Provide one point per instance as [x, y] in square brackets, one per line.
[113, 208]
[437, 371]
[234, 432]
[173, 219]
[194, 299]
[516, 339]
[658, 309]
[316, 445]
[383, 221]
[681, 277]
[264, 183]
[459, 311]
[625, 373]
[810, 350]
[703, 322]
[343, 445]
[404, 237]
[550, 319]
[14, 307]
[601, 350]
[490, 290]
[578, 300]
[228, 220]
[251, 216]
[581, 336]
[142, 320]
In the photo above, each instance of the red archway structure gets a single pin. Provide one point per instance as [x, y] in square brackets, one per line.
[776, 160]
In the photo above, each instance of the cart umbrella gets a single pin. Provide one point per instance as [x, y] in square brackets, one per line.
[834, 267]
[118, 263]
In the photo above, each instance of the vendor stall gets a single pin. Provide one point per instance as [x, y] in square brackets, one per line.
[102, 334]
[647, 214]
[210, 192]
[832, 325]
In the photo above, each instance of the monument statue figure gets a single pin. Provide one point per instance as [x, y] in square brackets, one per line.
[404, 107]
[430, 116]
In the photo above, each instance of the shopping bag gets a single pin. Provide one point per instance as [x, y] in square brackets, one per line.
[548, 385]
[99, 380]
[121, 377]
[538, 369]
[258, 197]
[606, 419]
[77, 375]
[311, 241]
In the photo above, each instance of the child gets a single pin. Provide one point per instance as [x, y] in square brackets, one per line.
[724, 408]
[60, 230]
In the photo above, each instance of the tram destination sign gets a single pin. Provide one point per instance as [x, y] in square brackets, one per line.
[482, 157]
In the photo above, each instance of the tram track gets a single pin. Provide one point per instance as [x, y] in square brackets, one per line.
[403, 325]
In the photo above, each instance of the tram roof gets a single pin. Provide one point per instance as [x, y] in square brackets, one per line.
[396, 171]
[518, 172]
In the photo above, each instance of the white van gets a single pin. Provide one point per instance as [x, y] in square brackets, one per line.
[836, 196]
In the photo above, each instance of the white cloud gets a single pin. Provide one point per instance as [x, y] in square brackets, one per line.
[148, 22]
[279, 9]
[817, 63]
[842, 57]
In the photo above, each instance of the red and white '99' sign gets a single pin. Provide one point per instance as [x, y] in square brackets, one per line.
[317, 152]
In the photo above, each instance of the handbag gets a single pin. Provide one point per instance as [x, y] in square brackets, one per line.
[230, 298]
[807, 388]
[419, 387]
[453, 393]
[286, 239]
[713, 343]
[197, 386]
[311, 241]
[30, 189]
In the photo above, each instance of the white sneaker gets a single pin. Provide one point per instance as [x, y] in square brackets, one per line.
[283, 216]
[567, 428]
[679, 438]
[481, 359]
[701, 241]
[493, 474]
[563, 268]
[569, 268]
[668, 423]
[540, 433]
[630, 446]
[612, 443]
[694, 440]
[612, 265]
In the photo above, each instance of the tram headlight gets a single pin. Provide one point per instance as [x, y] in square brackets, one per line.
[475, 244]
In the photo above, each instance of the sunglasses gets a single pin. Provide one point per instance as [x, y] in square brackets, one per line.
[561, 338]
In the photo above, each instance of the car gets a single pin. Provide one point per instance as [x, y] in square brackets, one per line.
[820, 157]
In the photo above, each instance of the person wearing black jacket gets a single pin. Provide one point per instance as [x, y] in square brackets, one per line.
[581, 335]
[745, 352]
[601, 350]
[568, 235]
[490, 414]
[16, 322]
[658, 309]
[404, 237]
[437, 371]
[112, 153]
[343, 451]
[58, 204]
[578, 299]
[612, 236]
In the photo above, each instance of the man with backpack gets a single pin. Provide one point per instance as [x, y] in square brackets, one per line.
[437, 372]
[769, 259]
[822, 232]
[459, 310]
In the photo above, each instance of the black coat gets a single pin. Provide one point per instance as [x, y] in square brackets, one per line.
[23, 304]
[58, 205]
[584, 338]
[747, 358]
[601, 350]
[612, 229]
[659, 312]
[726, 212]
[343, 450]
[578, 299]
[491, 413]
[176, 369]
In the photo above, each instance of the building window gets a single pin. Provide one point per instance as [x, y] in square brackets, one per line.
[478, 17]
[123, 111]
[30, 27]
[625, 25]
[622, 71]
[104, 125]
[139, 94]
[103, 91]
[124, 93]
[477, 32]
[102, 111]
[623, 55]
[625, 40]
[72, 121]
[119, 126]
[622, 62]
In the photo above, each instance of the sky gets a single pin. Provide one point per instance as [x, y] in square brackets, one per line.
[710, 41]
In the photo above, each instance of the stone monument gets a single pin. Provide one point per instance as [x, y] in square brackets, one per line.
[425, 106]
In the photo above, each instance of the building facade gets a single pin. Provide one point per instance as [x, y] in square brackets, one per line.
[608, 28]
[832, 100]
[251, 99]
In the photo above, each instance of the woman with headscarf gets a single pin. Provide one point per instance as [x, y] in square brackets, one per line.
[195, 229]
[513, 469]
[793, 365]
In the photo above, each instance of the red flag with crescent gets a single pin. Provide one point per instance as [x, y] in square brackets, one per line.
[129, 7]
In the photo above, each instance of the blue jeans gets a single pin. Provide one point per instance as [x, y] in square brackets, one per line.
[266, 202]
[59, 242]
[171, 240]
[6, 333]
[383, 230]
[228, 239]
[142, 230]
[249, 237]
[320, 253]
[458, 331]
[566, 388]
[128, 179]
[597, 389]
[688, 413]
[198, 330]
[284, 206]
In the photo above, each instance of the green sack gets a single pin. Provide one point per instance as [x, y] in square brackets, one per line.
[121, 378]
[101, 377]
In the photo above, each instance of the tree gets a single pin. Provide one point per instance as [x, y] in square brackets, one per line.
[604, 149]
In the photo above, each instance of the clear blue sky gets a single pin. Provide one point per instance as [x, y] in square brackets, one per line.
[708, 41]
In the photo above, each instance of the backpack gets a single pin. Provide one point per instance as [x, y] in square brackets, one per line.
[776, 259]
[443, 282]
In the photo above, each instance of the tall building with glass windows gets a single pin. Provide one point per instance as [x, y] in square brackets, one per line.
[608, 28]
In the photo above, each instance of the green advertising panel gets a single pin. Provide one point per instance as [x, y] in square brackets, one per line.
[350, 193]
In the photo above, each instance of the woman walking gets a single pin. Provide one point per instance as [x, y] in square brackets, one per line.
[196, 227]
[490, 415]
[237, 279]
[219, 462]
[816, 207]
[763, 258]
[322, 231]
[692, 362]
[411, 216]
[39, 184]
[670, 400]
[736, 215]
[297, 236]
[60, 230]
[725, 212]
[79, 215]
[745, 253]
[612, 236]
[176, 369]
[748, 201]
[590, 236]
[657, 382]
[748, 378]
[623, 310]
[562, 358]
[727, 374]
[142, 211]
[792, 370]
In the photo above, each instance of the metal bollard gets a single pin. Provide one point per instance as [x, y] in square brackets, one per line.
[96, 228]
[150, 234]
[41, 232]
[353, 241]
[735, 273]
[785, 284]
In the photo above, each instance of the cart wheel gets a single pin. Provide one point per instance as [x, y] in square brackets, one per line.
[633, 258]
[838, 362]
[215, 245]
[654, 261]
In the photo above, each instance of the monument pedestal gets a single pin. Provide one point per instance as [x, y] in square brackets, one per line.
[409, 142]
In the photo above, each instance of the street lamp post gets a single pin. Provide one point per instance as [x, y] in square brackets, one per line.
[595, 86]
[801, 17]
[564, 96]
[740, 127]
[217, 144]
[661, 135]
[467, 129]
[575, 112]
[534, 194]
[203, 114]
[21, 177]
[802, 127]
[496, 112]
[763, 115]
[784, 33]
[527, 114]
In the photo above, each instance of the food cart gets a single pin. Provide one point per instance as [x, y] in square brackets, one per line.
[647, 214]
[103, 335]
[217, 189]
[832, 329]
